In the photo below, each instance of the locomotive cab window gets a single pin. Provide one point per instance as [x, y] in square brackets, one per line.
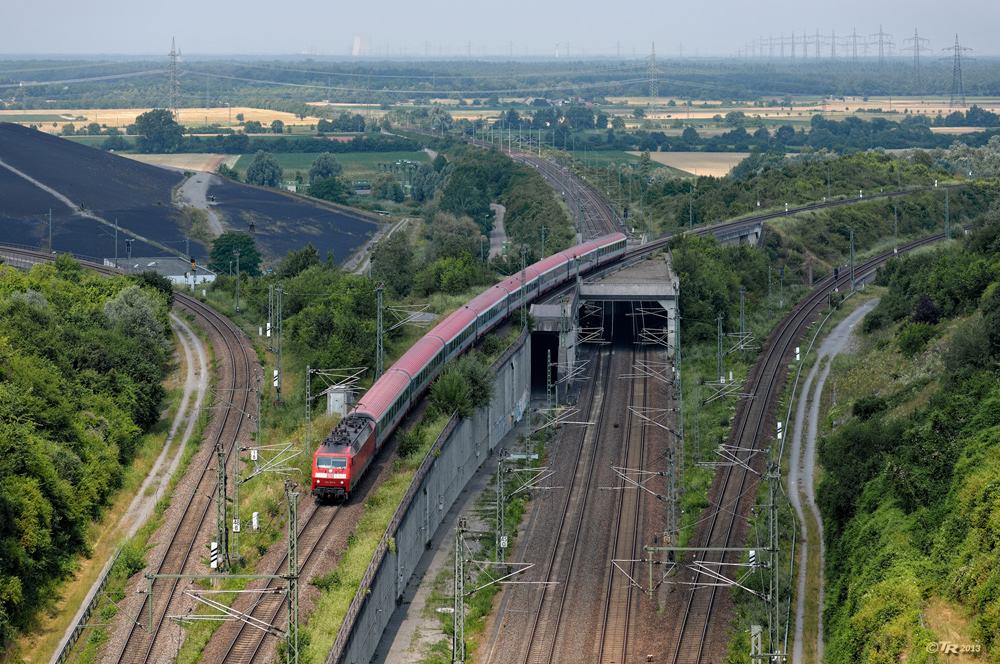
[331, 462]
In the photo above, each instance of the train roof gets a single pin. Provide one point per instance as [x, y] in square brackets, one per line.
[553, 261]
[449, 328]
[578, 250]
[413, 360]
[605, 240]
[485, 300]
[513, 282]
[382, 394]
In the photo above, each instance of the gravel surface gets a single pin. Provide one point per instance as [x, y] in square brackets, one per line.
[498, 235]
[171, 634]
[194, 193]
[802, 468]
[141, 507]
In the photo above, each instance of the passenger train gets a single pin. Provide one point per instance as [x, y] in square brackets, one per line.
[344, 456]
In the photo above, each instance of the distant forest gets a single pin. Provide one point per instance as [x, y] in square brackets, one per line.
[286, 85]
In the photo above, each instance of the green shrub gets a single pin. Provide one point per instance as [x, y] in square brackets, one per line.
[450, 393]
[913, 337]
[492, 345]
[409, 441]
[869, 406]
[131, 561]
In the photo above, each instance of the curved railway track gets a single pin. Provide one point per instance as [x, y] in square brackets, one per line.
[142, 634]
[141, 641]
[751, 430]
[599, 219]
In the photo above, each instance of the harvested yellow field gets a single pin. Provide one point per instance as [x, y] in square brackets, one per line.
[122, 117]
[717, 164]
[956, 130]
[186, 162]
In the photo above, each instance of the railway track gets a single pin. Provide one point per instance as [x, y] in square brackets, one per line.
[544, 627]
[271, 607]
[617, 614]
[751, 430]
[594, 216]
[181, 555]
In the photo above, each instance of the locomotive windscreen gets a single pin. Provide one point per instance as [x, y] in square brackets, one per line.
[331, 462]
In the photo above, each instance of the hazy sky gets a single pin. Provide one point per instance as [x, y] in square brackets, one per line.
[453, 27]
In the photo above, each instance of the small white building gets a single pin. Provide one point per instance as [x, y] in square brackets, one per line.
[339, 399]
[177, 270]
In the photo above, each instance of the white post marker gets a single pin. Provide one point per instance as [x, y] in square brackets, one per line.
[796, 353]
[215, 555]
[779, 429]
[255, 521]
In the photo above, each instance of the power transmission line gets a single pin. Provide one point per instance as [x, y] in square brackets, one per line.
[173, 88]
[916, 45]
[957, 86]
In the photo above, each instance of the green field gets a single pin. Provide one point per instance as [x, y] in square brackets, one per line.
[357, 165]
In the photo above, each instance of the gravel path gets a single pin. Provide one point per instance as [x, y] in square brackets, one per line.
[141, 507]
[802, 469]
[358, 264]
[498, 235]
[194, 193]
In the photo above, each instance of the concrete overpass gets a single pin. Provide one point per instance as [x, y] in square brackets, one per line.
[648, 290]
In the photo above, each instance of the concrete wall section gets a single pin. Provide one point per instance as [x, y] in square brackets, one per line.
[454, 457]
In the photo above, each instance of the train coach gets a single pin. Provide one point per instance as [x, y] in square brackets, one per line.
[345, 455]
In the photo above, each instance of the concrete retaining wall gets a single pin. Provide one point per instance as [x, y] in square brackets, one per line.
[454, 457]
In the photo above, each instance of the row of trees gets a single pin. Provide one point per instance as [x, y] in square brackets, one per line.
[81, 363]
[157, 132]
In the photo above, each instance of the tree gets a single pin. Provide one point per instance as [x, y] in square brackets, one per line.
[580, 117]
[158, 132]
[926, 311]
[452, 236]
[393, 262]
[617, 122]
[466, 195]
[297, 261]
[134, 312]
[329, 189]
[69, 129]
[645, 164]
[736, 118]
[239, 117]
[440, 118]
[253, 127]
[223, 170]
[264, 170]
[324, 166]
[278, 127]
[112, 143]
[94, 129]
[638, 113]
[222, 253]
[385, 187]
[601, 122]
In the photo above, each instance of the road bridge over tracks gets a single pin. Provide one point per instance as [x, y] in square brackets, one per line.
[643, 294]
